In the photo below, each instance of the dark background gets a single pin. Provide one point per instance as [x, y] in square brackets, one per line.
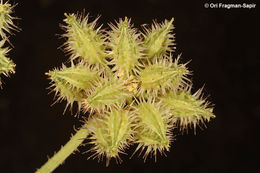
[222, 45]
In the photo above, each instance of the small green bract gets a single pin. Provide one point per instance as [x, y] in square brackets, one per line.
[130, 85]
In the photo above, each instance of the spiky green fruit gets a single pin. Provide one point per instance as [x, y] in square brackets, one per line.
[161, 75]
[6, 25]
[6, 20]
[6, 65]
[153, 127]
[109, 93]
[84, 41]
[159, 39]
[125, 48]
[111, 133]
[188, 109]
[73, 83]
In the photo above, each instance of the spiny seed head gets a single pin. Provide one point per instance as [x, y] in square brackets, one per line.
[153, 127]
[159, 39]
[125, 48]
[110, 133]
[6, 65]
[161, 75]
[188, 109]
[6, 25]
[129, 84]
[109, 93]
[84, 41]
[6, 20]
[72, 83]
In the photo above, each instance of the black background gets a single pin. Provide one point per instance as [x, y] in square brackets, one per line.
[222, 45]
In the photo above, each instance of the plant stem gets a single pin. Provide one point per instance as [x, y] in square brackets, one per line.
[65, 151]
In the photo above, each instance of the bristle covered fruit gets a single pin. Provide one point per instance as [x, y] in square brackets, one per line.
[6, 65]
[6, 20]
[6, 26]
[162, 75]
[84, 41]
[159, 39]
[110, 133]
[153, 127]
[72, 83]
[188, 109]
[107, 95]
[125, 48]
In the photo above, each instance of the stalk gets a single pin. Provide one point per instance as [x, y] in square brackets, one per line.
[65, 151]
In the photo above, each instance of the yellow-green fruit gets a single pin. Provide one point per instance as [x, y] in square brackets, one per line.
[153, 127]
[6, 65]
[110, 133]
[6, 23]
[161, 75]
[125, 48]
[159, 39]
[188, 109]
[107, 95]
[73, 83]
[84, 41]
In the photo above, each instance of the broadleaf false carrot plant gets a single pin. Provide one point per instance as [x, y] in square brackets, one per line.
[130, 86]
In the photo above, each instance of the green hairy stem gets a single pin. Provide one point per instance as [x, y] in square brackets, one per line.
[58, 158]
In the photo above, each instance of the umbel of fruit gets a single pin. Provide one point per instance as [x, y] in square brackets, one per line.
[128, 87]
